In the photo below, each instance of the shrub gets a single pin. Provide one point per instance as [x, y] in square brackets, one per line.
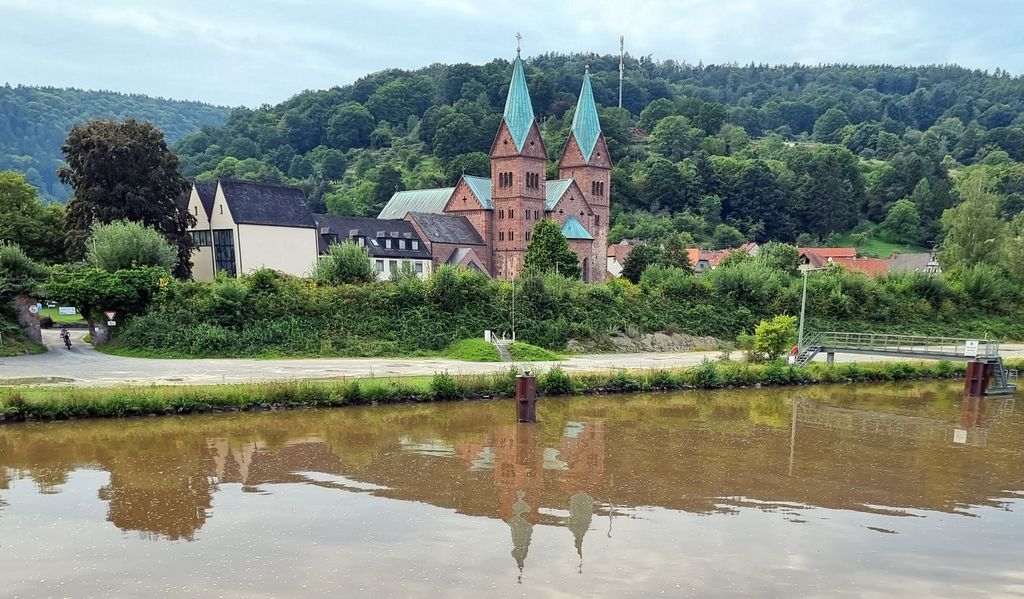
[345, 263]
[625, 382]
[443, 387]
[555, 382]
[776, 372]
[46, 322]
[663, 379]
[127, 244]
[706, 376]
[773, 338]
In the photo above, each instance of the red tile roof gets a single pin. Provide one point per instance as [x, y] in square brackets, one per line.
[869, 266]
[818, 257]
[620, 251]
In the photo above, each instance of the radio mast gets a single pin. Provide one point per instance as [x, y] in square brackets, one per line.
[622, 53]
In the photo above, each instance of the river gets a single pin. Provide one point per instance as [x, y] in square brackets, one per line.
[858, 491]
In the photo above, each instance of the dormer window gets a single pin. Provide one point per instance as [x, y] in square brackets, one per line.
[401, 244]
[387, 243]
[415, 244]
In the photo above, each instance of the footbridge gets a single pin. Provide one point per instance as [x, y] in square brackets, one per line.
[982, 355]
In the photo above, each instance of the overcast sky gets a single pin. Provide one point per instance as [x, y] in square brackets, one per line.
[262, 51]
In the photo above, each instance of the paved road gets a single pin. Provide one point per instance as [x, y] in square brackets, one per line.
[83, 365]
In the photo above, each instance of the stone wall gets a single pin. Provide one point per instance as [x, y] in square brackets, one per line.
[28, 321]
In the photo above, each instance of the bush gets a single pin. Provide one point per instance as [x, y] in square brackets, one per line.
[45, 322]
[663, 379]
[705, 375]
[443, 387]
[555, 382]
[345, 263]
[127, 244]
[625, 382]
[776, 372]
[773, 338]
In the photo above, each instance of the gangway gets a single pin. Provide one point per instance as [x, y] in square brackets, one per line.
[981, 352]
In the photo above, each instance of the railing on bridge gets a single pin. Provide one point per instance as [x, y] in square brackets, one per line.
[906, 344]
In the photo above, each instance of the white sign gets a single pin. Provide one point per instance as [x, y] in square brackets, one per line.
[66, 311]
[110, 314]
[959, 435]
[111, 323]
[971, 348]
[33, 309]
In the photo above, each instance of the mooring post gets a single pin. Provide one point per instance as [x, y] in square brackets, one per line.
[526, 397]
[978, 375]
[830, 357]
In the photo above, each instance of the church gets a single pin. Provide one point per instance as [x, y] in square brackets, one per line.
[486, 223]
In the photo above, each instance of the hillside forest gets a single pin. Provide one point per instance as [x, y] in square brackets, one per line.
[34, 121]
[724, 153]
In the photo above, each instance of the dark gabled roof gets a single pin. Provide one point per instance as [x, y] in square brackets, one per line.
[447, 228]
[375, 230]
[207, 195]
[264, 204]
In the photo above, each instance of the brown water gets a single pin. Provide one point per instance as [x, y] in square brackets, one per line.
[861, 491]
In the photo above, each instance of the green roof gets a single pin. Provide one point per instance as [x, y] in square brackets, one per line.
[585, 125]
[554, 190]
[518, 114]
[416, 200]
[573, 229]
[481, 187]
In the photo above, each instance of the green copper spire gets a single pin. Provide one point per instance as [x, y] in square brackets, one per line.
[585, 125]
[518, 108]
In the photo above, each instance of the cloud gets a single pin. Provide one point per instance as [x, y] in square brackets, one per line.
[266, 50]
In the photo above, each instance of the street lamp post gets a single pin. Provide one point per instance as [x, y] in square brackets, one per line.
[513, 309]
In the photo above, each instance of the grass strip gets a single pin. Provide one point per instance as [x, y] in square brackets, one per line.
[60, 403]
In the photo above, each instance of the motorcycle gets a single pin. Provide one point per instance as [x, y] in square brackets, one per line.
[67, 339]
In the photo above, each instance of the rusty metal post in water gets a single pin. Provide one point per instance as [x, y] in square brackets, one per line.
[978, 375]
[526, 397]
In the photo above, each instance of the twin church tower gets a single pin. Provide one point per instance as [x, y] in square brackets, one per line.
[504, 209]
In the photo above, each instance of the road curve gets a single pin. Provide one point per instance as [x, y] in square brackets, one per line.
[83, 365]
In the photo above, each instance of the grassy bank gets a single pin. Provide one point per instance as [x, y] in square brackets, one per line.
[467, 350]
[58, 403]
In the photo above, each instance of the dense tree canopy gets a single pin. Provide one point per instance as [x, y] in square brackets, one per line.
[34, 122]
[37, 229]
[124, 171]
[768, 152]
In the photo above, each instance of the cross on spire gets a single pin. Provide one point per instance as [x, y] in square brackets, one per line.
[519, 39]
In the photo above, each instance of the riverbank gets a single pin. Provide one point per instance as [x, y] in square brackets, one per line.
[61, 403]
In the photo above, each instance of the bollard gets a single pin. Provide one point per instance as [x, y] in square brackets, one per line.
[978, 374]
[526, 397]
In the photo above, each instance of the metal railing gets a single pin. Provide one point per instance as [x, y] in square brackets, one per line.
[905, 344]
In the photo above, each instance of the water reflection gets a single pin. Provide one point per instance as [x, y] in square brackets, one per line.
[875, 450]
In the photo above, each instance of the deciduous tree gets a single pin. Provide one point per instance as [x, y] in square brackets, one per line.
[124, 171]
[549, 251]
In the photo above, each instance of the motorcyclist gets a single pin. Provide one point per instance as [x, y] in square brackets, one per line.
[65, 335]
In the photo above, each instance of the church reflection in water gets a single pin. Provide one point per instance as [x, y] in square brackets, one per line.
[584, 459]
